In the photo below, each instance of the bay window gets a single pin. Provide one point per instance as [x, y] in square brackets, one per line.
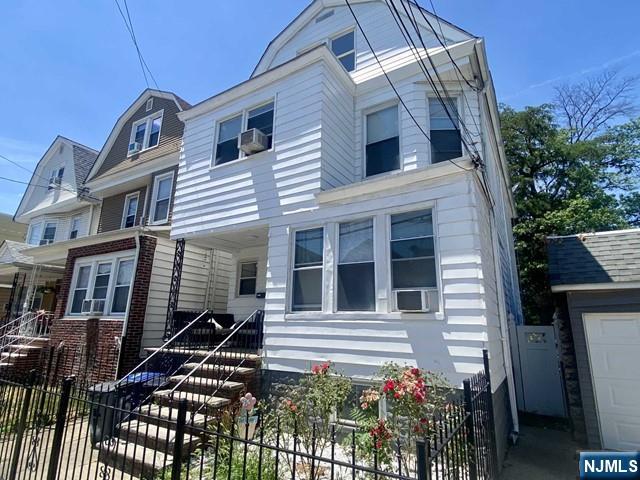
[34, 234]
[444, 131]
[356, 267]
[382, 150]
[308, 267]
[106, 278]
[49, 234]
[74, 229]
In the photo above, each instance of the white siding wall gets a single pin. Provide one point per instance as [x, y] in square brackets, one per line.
[63, 223]
[40, 196]
[194, 286]
[378, 25]
[268, 184]
[450, 341]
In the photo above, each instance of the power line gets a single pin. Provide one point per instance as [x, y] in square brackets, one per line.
[13, 162]
[458, 122]
[129, 26]
[375, 55]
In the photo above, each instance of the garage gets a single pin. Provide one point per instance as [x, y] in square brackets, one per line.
[595, 281]
[613, 343]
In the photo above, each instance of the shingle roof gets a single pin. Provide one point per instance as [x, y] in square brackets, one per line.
[601, 257]
[11, 253]
[83, 159]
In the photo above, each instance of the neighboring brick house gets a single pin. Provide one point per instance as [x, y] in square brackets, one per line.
[114, 292]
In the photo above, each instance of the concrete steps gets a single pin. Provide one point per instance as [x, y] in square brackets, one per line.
[143, 462]
[194, 400]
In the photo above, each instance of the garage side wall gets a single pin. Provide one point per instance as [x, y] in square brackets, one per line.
[594, 302]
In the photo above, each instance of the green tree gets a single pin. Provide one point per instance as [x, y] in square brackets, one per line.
[574, 168]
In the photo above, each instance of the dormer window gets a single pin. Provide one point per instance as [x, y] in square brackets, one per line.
[55, 179]
[343, 47]
[145, 133]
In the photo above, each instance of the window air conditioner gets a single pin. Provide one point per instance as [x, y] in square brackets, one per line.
[135, 147]
[253, 141]
[93, 307]
[412, 300]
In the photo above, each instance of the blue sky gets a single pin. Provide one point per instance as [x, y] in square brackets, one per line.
[68, 67]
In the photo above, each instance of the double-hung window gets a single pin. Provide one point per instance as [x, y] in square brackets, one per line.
[383, 141]
[49, 234]
[307, 270]
[74, 228]
[356, 267]
[262, 119]
[161, 199]
[413, 264]
[227, 145]
[145, 133]
[122, 286]
[55, 179]
[107, 280]
[444, 130]
[34, 234]
[130, 210]
[343, 47]
[229, 130]
[248, 273]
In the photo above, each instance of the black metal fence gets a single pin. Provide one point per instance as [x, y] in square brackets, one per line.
[66, 431]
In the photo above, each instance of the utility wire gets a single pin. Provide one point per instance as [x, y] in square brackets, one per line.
[458, 122]
[375, 55]
[129, 25]
[80, 190]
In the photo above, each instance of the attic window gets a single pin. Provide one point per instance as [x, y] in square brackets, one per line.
[149, 104]
[324, 16]
[343, 47]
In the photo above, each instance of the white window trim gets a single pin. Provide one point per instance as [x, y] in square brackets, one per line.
[127, 199]
[73, 219]
[355, 50]
[243, 127]
[240, 263]
[154, 198]
[336, 239]
[93, 262]
[382, 259]
[44, 229]
[366, 112]
[31, 227]
[147, 131]
[457, 95]
[292, 263]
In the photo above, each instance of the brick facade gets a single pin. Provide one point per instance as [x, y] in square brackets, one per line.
[94, 342]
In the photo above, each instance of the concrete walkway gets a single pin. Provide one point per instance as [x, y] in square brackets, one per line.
[542, 454]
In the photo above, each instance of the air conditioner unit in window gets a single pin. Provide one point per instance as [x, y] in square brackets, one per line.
[93, 307]
[412, 300]
[135, 147]
[253, 141]
[46, 241]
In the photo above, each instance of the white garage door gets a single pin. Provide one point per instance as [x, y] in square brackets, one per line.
[613, 342]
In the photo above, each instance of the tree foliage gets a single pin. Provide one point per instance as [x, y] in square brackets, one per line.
[572, 171]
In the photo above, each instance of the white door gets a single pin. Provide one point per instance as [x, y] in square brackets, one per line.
[540, 371]
[613, 342]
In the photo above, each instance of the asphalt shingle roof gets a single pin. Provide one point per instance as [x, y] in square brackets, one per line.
[594, 258]
[83, 160]
[11, 253]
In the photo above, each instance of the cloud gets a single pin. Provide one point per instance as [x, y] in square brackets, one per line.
[585, 71]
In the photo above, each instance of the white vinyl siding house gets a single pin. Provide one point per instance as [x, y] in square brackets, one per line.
[351, 189]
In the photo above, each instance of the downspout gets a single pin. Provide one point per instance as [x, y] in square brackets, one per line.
[126, 315]
[504, 329]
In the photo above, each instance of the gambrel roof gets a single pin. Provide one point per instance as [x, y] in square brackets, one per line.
[451, 31]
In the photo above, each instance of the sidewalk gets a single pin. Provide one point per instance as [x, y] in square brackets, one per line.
[542, 454]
